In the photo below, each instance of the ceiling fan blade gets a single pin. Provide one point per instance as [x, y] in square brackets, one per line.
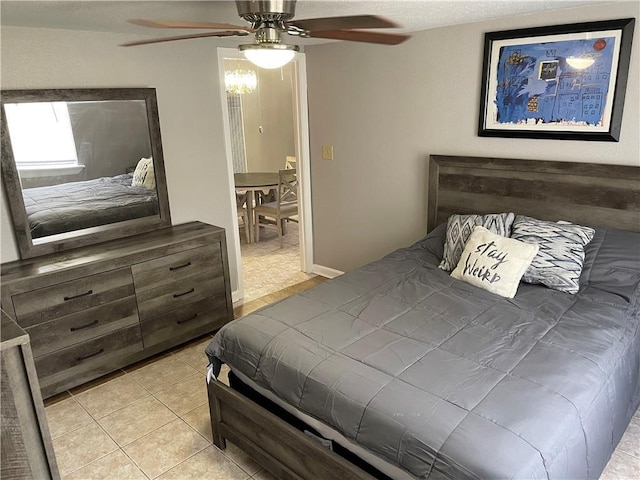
[343, 23]
[230, 33]
[186, 24]
[361, 36]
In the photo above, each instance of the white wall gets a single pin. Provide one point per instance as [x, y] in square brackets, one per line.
[385, 109]
[269, 106]
[267, 116]
[185, 75]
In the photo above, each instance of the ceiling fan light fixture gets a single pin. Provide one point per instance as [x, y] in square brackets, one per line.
[265, 55]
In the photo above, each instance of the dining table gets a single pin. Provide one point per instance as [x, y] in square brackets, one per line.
[255, 183]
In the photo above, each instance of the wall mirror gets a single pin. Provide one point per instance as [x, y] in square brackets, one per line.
[82, 166]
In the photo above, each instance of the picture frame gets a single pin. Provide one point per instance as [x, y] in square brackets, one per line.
[563, 82]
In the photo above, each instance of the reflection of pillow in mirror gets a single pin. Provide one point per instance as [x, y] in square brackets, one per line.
[144, 176]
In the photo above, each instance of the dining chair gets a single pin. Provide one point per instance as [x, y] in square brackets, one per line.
[241, 209]
[290, 162]
[275, 214]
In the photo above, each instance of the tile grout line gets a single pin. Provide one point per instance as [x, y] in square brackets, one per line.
[177, 417]
[96, 419]
[120, 447]
[209, 443]
[100, 457]
[268, 256]
[238, 465]
[77, 428]
[160, 426]
[139, 467]
[151, 432]
[622, 452]
[181, 462]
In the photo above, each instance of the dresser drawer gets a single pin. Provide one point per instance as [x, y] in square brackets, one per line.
[178, 266]
[187, 322]
[81, 326]
[66, 298]
[170, 296]
[88, 353]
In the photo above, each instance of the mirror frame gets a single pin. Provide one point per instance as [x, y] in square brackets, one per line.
[93, 235]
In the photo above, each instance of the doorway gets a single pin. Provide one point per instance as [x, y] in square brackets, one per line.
[263, 127]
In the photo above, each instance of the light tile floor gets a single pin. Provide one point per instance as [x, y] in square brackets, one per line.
[267, 268]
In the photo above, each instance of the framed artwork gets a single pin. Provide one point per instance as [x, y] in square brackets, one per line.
[560, 82]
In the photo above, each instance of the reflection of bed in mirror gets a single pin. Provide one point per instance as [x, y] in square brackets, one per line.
[82, 166]
[72, 206]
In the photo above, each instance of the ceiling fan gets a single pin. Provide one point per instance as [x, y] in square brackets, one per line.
[269, 20]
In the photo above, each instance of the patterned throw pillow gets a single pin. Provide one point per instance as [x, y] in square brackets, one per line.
[493, 262]
[144, 176]
[559, 261]
[460, 227]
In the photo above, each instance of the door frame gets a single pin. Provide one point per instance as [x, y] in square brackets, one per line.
[301, 141]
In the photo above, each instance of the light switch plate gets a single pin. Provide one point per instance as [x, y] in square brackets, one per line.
[327, 152]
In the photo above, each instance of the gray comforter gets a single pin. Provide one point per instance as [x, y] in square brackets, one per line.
[90, 203]
[449, 381]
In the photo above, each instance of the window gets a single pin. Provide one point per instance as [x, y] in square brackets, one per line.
[48, 122]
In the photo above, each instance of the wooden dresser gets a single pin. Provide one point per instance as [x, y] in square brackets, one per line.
[27, 451]
[95, 309]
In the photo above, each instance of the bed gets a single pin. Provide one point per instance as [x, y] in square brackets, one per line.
[424, 376]
[72, 206]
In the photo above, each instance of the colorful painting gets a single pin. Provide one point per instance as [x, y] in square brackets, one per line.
[568, 84]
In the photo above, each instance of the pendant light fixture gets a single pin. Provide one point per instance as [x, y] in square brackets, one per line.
[238, 82]
[268, 52]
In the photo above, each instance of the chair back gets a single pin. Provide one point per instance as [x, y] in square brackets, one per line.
[287, 187]
[241, 199]
[290, 162]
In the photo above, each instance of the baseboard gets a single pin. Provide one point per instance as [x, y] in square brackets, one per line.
[316, 269]
[235, 296]
[325, 271]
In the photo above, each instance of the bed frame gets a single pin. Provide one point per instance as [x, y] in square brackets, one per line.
[584, 193]
[591, 194]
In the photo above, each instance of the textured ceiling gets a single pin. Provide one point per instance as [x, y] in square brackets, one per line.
[111, 16]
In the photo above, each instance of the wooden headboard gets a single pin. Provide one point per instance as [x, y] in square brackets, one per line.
[583, 193]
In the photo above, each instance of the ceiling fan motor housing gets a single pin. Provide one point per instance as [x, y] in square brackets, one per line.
[261, 11]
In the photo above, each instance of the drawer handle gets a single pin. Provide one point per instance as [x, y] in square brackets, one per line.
[193, 317]
[176, 295]
[79, 359]
[95, 322]
[73, 297]
[184, 265]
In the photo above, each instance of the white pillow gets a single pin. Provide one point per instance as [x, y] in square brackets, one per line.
[144, 175]
[493, 262]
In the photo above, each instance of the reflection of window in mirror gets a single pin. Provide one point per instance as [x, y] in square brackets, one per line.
[49, 123]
